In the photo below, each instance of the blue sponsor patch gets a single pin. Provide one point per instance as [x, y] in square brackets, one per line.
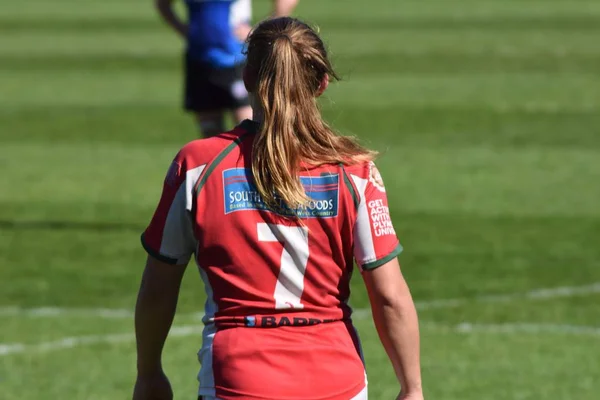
[250, 321]
[241, 194]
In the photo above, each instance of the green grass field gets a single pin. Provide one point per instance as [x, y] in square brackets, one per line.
[488, 116]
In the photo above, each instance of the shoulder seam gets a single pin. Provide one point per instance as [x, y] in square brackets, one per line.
[351, 187]
[216, 161]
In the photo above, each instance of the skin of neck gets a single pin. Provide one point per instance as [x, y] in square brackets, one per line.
[257, 111]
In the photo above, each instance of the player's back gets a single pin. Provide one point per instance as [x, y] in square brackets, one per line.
[277, 282]
[279, 286]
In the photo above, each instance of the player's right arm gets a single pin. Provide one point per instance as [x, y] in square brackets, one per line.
[376, 248]
[396, 321]
[165, 9]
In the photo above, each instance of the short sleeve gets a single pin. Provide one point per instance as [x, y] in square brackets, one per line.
[375, 240]
[170, 236]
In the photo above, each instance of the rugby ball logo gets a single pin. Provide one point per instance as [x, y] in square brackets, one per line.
[375, 177]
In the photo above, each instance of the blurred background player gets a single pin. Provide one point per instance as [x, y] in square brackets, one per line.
[299, 204]
[215, 32]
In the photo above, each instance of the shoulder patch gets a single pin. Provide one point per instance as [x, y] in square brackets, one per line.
[375, 177]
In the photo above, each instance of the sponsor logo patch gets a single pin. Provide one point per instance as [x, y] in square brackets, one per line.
[275, 321]
[375, 177]
[250, 321]
[381, 222]
[241, 195]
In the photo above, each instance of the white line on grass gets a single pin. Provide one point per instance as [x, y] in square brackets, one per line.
[467, 327]
[77, 341]
[536, 294]
[59, 312]
[188, 330]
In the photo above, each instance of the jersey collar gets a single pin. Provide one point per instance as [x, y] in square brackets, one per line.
[250, 126]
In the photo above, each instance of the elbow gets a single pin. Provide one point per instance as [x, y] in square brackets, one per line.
[389, 301]
[395, 303]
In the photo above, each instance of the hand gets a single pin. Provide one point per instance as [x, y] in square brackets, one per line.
[153, 387]
[242, 31]
[410, 396]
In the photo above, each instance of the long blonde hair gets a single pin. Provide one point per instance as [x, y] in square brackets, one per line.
[286, 65]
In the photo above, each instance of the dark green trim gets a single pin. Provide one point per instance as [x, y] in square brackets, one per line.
[350, 188]
[218, 159]
[378, 263]
[157, 255]
[250, 126]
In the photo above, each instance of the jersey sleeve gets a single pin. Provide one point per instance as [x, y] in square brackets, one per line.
[240, 12]
[375, 240]
[170, 236]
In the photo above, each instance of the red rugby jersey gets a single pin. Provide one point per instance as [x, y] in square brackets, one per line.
[263, 270]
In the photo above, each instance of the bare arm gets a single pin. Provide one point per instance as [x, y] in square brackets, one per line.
[154, 312]
[165, 9]
[396, 321]
[282, 8]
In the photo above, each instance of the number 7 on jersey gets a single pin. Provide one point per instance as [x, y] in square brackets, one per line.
[290, 282]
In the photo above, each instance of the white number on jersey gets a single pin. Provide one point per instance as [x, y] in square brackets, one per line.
[290, 282]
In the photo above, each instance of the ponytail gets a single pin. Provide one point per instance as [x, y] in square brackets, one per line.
[287, 62]
[277, 148]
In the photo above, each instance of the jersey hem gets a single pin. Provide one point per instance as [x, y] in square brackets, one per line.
[155, 254]
[347, 394]
[384, 260]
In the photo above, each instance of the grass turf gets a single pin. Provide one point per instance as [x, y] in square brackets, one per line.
[487, 114]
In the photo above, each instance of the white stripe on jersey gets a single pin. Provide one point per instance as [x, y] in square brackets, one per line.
[363, 395]
[206, 376]
[178, 241]
[191, 178]
[364, 248]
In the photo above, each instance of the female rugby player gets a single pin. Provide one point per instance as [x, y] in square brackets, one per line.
[215, 33]
[275, 213]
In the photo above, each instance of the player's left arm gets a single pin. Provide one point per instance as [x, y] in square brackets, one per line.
[154, 312]
[170, 242]
[283, 8]
[167, 12]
